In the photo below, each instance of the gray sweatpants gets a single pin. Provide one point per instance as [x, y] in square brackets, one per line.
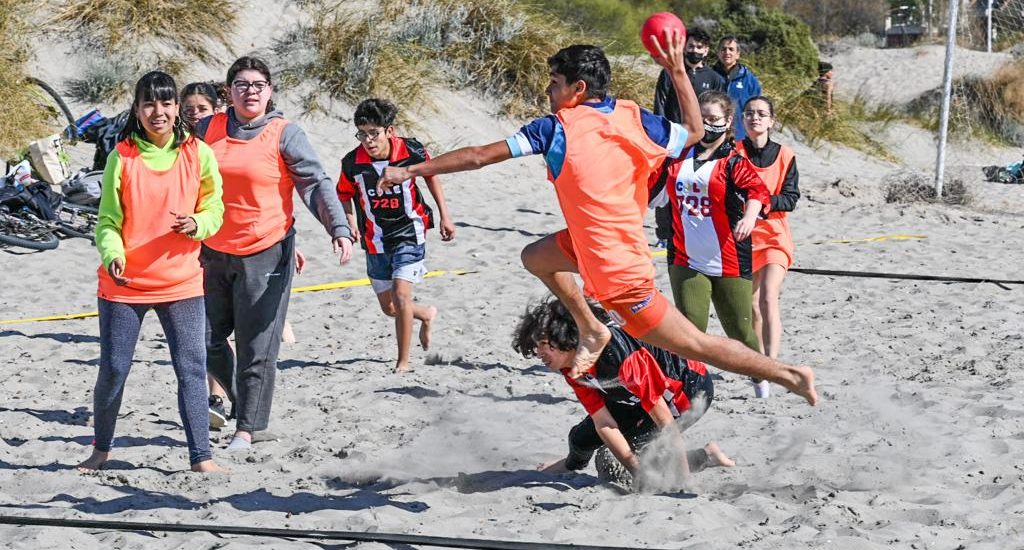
[182, 322]
[247, 296]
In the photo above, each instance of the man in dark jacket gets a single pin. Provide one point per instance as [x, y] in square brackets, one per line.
[702, 77]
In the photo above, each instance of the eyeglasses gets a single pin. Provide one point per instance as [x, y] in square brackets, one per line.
[758, 114]
[714, 120]
[242, 86]
[368, 136]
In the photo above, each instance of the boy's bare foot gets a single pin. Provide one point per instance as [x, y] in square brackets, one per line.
[716, 457]
[403, 366]
[425, 327]
[802, 384]
[94, 462]
[591, 345]
[556, 467]
[208, 467]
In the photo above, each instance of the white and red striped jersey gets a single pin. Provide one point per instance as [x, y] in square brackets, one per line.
[396, 216]
[708, 199]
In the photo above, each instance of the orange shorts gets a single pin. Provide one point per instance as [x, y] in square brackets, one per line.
[637, 310]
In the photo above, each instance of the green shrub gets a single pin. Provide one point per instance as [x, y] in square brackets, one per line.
[614, 23]
[401, 50]
[987, 108]
[23, 112]
[189, 28]
[103, 80]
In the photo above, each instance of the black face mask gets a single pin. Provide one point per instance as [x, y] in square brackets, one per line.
[712, 133]
[694, 58]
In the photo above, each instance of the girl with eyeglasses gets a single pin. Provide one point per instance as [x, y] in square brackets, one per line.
[249, 263]
[773, 241]
[715, 197]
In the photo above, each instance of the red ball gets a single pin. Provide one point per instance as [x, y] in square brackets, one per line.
[656, 25]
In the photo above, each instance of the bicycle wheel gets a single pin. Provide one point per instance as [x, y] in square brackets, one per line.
[77, 220]
[15, 231]
[70, 132]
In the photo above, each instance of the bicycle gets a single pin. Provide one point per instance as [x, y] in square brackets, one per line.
[20, 224]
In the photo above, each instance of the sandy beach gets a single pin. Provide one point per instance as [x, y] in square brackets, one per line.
[918, 441]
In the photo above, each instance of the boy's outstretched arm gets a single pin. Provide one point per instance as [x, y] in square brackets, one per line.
[459, 160]
[437, 191]
[608, 431]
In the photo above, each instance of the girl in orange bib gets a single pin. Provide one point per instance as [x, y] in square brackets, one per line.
[773, 242]
[161, 197]
[264, 160]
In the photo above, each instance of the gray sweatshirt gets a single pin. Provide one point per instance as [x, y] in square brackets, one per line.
[315, 187]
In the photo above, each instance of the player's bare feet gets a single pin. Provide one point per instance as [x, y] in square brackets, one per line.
[716, 457]
[425, 327]
[801, 382]
[208, 467]
[94, 462]
[592, 343]
[402, 367]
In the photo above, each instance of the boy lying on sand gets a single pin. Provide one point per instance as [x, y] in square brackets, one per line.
[633, 392]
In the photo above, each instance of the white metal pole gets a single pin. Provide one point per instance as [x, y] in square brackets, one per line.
[947, 90]
[988, 16]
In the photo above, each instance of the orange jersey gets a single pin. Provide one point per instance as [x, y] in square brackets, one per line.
[163, 266]
[772, 239]
[257, 188]
[602, 190]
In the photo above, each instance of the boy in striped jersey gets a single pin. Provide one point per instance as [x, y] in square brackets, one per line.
[392, 220]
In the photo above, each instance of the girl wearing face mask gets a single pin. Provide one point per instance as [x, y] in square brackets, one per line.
[773, 242]
[715, 196]
[161, 197]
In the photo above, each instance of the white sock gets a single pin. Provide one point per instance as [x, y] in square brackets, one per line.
[762, 389]
[238, 444]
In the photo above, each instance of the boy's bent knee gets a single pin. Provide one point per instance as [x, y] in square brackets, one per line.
[528, 257]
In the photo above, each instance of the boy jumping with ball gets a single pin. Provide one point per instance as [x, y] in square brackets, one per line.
[600, 153]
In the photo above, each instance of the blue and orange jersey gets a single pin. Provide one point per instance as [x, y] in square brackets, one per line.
[600, 157]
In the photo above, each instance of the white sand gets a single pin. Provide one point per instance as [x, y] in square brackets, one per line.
[917, 443]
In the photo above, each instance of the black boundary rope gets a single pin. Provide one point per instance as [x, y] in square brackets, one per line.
[356, 536]
[911, 277]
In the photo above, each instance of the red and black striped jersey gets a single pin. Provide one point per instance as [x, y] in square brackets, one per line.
[399, 214]
[631, 374]
[708, 199]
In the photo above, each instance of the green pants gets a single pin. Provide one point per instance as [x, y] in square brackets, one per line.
[694, 292]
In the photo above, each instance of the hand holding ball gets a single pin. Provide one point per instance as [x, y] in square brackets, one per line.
[653, 33]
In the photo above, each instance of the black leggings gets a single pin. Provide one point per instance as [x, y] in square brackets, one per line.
[182, 322]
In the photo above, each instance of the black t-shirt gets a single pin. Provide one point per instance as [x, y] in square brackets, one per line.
[631, 376]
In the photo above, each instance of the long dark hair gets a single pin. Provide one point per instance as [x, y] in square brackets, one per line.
[250, 63]
[153, 86]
